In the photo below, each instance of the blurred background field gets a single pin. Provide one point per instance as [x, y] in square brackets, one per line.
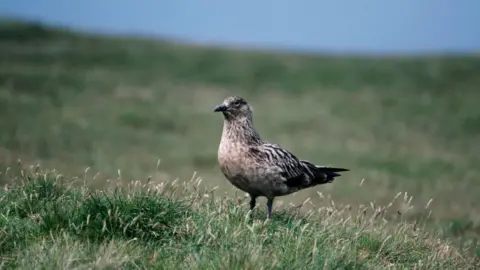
[71, 100]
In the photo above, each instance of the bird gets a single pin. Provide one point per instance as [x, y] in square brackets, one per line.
[260, 168]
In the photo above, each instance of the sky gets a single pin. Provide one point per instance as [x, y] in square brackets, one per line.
[369, 26]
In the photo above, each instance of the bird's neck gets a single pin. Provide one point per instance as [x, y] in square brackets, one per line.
[240, 130]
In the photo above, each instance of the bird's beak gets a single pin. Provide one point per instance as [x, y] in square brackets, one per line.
[220, 108]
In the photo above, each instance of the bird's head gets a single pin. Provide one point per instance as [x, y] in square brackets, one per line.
[234, 107]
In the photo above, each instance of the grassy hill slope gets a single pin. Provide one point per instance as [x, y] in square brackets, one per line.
[117, 105]
[48, 224]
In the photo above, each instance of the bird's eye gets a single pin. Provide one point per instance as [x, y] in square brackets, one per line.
[237, 102]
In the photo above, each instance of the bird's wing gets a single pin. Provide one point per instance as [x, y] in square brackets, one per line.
[288, 165]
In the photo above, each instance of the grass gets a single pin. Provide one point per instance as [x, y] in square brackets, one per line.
[117, 105]
[49, 222]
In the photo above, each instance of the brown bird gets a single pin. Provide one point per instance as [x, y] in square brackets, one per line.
[260, 168]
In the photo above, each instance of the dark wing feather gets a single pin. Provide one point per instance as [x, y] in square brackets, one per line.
[292, 169]
[296, 172]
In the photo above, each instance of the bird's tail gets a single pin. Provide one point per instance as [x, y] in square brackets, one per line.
[324, 174]
[330, 172]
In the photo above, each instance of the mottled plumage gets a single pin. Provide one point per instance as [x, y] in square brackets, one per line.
[258, 167]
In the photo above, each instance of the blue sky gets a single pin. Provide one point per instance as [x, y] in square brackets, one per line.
[373, 26]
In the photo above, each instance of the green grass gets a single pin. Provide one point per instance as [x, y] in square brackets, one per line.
[117, 105]
[45, 223]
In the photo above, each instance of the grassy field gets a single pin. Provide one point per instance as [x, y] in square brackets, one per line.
[48, 224]
[118, 105]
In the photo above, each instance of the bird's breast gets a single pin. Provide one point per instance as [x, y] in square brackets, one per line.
[246, 173]
[233, 159]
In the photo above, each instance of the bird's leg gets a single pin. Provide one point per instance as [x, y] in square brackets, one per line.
[253, 201]
[269, 208]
